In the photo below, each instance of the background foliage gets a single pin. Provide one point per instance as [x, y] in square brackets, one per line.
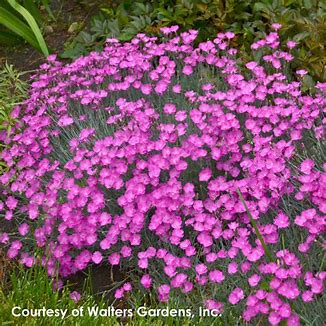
[302, 20]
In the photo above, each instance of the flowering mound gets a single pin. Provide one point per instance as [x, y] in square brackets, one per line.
[137, 156]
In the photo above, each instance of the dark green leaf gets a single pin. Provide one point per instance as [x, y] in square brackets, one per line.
[17, 26]
[34, 11]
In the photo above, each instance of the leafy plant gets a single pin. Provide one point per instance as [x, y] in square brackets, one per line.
[13, 15]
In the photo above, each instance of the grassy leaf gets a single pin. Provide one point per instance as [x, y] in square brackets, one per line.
[9, 38]
[254, 225]
[18, 27]
[34, 11]
[32, 24]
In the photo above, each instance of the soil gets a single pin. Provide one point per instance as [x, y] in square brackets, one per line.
[103, 279]
[25, 58]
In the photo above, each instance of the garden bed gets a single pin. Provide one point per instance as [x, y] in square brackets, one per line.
[169, 172]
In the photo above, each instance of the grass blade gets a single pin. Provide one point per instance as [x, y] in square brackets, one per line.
[33, 10]
[254, 225]
[32, 24]
[9, 38]
[17, 26]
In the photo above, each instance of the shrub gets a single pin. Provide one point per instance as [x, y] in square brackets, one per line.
[136, 156]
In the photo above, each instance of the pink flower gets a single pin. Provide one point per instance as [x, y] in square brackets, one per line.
[146, 281]
[317, 286]
[306, 166]
[181, 116]
[127, 287]
[201, 269]
[163, 292]
[216, 276]
[276, 26]
[307, 296]
[187, 70]
[205, 174]
[65, 121]
[251, 65]
[285, 310]
[179, 280]
[229, 35]
[291, 44]
[211, 257]
[114, 259]
[146, 89]
[214, 305]
[236, 295]
[301, 72]
[119, 293]
[281, 221]
[254, 280]
[289, 289]
[11, 203]
[176, 89]
[169, 108]
[232, 268]
[75, 296]
[293, 320]
[97, 257]
[205, 239]
[187, 287]
[4, 238]
[23, 229]
[143, 263]
[274, 318]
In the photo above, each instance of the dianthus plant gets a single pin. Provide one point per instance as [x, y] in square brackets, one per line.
[136, 156]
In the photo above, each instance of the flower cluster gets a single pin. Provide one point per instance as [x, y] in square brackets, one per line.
[134, 156]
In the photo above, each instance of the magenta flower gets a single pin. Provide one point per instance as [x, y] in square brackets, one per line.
[146, 281]
[127, 287]
[169, 108]
[119, 293]
[97, 257]
[201, 269]
[214, 305]
[254, 280]
[216, 276]
[23, 229]
[236, 295]
[114, 259]
[75, 296]
[281, 221]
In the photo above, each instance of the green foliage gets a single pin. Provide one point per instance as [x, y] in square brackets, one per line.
[32, 289]
[302, 20]
[13, 16]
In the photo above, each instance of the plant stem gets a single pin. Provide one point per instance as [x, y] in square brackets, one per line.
[254, 225]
